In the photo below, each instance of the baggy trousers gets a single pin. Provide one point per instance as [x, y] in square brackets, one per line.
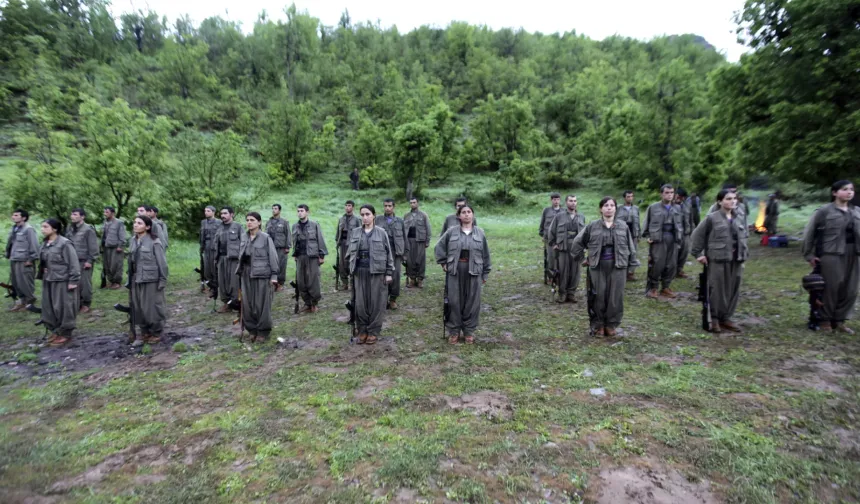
[394, 286]
[343, 265]
[257, 294]
[150, 311]
[416, 264]
[113, 262]
[23, 278]
[608, 284]
[308, 274]
[663, 259]
[371, 295]
[228, 281]
[282, 267]
[85, 286]
[841, 279]
[210, 268]
[464, 300]
[568, 275]
[683, 252]
[724, 288]
[59, 307]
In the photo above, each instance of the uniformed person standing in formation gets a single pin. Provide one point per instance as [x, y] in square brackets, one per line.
[452, 220]
[720, 242]
[743, 209]
[347, 222]
[563, 229]
[279, 230]
[771, 213]
[259, 266]
[832, 241]
[371, 263]
[418, 233]
[629, 213]
[396, 231]
[86, 243]
[549, 213]
[148, 264]
[113, 243]
[663, 229]
[465, 257]
[152, 213]
[610, 246]
[228, 244]
[309, 251]
[685, 207]
[209, 248]
[60, 272]
[22, 249]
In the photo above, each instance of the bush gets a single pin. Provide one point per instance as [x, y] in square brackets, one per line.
[180, 347]
[375, 176]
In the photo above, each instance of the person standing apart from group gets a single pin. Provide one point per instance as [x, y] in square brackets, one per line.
[278, 230]
[418, 234]
[347, 222]
[228, 242]
[148, 266]
[546, 218]
[396, 231]
[114, 240]
[720, 243]
[663, 229]
[22, 250]
[86, 243]
[371, 263]
[464, 255]
[563, 229]
[629, 213]
[309, 251]
[610, 246]
[60, 272]
[831, 242]
[259, 266]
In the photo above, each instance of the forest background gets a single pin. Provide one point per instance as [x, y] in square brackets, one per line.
[145, 109]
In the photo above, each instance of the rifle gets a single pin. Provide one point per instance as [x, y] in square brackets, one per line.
[295, 285]
[350, 305]
[336, 267]
[202, 269]
[590, 295]
[241, 319]
[446, 307]
[35, 309]
[545, 265]
[705, 298]
[104, 262]
[11, 292]
[130, 308]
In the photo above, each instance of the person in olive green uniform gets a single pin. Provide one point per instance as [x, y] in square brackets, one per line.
[743, 208]
[720, 242]
[684, 206]
[559, 236]
[465, 257]
[83, 237]
[396, 231]
[832, 242]
[371, 263]
[549, 213]
[418, 233]
[771, 214]
[259, 266]
[452, 220]
[309, 251]
[208, 229]
[148, 264]
[152, 213]
[60, 274]
[228, 244]
[22, 250]
[345, 225]
[114, 240]
[279, 230]
[629, 213]
[663, 229]
[610, 245]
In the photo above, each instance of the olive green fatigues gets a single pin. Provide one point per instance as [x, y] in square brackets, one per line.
[258, 268]
[467, 258]
[61, 268]
[396, 231]
[86, 243]
[278, 230]
[113, 238]
[546, 218]
[559, 237]
[370, 260]
[418, 233]
[724, 242]
[664, 227]
[686, 209]
[228, 244]
[345, 225]
[609, 253]
[308, 248]
[629, 214]
[208, 230]
[23, 248]
[149, 266]
[452, 221]
[833, 236]
[162, 231]
[771, 215]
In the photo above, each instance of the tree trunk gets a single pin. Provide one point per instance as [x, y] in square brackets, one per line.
[409, 188]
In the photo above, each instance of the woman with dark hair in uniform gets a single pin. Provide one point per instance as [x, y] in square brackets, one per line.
[60, 272]
[147, 281]
[258, 270]
[371, 265]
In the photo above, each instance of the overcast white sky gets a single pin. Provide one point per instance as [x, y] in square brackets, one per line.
[641, 19]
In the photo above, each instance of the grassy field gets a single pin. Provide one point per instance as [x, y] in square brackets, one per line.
[536, 411]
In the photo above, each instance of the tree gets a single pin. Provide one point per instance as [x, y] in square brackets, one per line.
[123, 149]
[415, 145]
[285, 140]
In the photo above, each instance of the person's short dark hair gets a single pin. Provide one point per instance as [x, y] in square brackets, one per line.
[839, 184]
[255, 215]
[277, 205]
[554, 195]
[413, 198]
[110, 208]
[146, 208]
[229, 210]
[389, 200]
[350, 202]
[79, 211]
[369, 207]
[666, 186]
[146, 221]
[724, 192]
[461, 199]
[23, 213]
[302, 205]
[730, 185]
[459, 210]
[625, 193]
[153, 209]
[681, 192]
[54, 223]
[210, 207]
[571, 195]
[605, 199]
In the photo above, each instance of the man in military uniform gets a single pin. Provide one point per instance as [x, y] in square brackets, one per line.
[418, 239]
[663, 228]
[629, 213]
[685, 207]
[208, 229]
[549, 213]
[309, 251]
[114, 238]
[347, 222]
[559, 236]
[771, 213]
[152, 213]
[452, 220]
[354, 179]
[279, 229]
[156, 229]
[22, 249]
[228, 242]
[86, 243]
[396, 230]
